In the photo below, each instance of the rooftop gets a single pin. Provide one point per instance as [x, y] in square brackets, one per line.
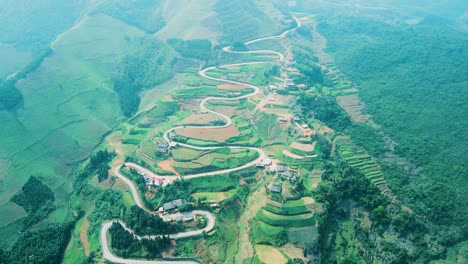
[275, 188]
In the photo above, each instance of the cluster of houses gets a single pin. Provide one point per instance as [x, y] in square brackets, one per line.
[296, 119]
[164, 147]
[285, 174]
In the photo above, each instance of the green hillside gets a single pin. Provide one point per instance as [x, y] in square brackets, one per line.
[412, 79]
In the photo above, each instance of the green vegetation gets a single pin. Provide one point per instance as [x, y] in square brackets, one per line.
[144, 223]
[148, 65]
[99, 162]
[42, 245]
[215, 160]
[197, 48]
[124, 244]
[31, 31]
[10, 96]
[357, 158]
[412, 80]
[37, 199]
[244, 20]
[325, 109]
[307, 64]
[144, 14]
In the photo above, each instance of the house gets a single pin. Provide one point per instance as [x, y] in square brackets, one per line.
[271, 99]
[287, 174]
[173, 145]
[214, 205]
[273, 87]
[168, 206]
[276, 188]
[178, 202]
[188, 216]
[305, 126]
[173, 205]
[163, 147]
[280, 168]
[295, 118]
[263, 163]
[260, 165]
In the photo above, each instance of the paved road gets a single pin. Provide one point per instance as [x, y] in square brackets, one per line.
[210, 218]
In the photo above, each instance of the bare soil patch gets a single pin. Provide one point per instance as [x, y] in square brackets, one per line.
[214, 134]
[304, 147]
[254, 203]
[84, 235]
[353, 106]
[269, 254]
[167, 165]
[199, 119]
[294, 252]
[231, 87]
[226, 110]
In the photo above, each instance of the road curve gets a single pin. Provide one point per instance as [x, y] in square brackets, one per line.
[108, 255]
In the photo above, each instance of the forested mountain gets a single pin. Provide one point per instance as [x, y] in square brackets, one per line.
[413, 80]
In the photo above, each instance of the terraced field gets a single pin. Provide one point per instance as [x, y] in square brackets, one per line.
[345, 92]
[359, 159]
[213, 160]
[292, 213]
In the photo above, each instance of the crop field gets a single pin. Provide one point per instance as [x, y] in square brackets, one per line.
[359, 159]
[209, 134]
[185, 154]
[199, 119]
[202, 92]
[307, 148]
[215, 160]
[269, 254]
[210, 197]
[297, 220]
[252, 73]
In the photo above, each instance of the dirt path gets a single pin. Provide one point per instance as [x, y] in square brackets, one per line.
[84, 235]
[254, 203]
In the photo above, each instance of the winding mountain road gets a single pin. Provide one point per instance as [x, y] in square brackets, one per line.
[108, 255]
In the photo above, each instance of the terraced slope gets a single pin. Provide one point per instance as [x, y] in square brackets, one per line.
[277, 221]
[357, 158]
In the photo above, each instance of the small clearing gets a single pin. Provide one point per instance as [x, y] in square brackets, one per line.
[231, 87]
[353, 106]
[254, 203]
[167, 166]
[269, 254]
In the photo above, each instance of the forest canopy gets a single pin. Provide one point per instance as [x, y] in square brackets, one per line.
[413, 80]
[148, 65]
